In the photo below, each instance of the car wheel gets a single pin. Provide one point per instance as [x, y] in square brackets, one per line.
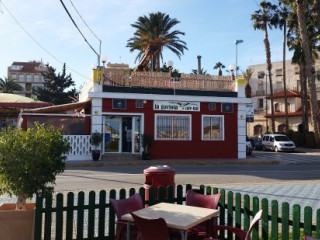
[276, 149]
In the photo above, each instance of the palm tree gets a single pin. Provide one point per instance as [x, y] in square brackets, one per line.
[283, 14]
[7, 85]
[219, 66]
[247, 76]
[153, 34]
[305, 44]
[264, 18]
[202, 72]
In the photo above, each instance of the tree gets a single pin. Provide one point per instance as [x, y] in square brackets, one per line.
[247, 76]
[283, 14]
[56, 87]
[219, 66]
[7, 85]
[202, 72]
[153, 34]
[264, 18]
[305, 44]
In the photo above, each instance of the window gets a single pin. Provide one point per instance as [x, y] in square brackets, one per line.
[14, 76]
[227, 107]
[277, 107]
[36, 78]
[296, 70]
[118, 104]
[260, 102]
[212, 106]
[21, 78]
[260, 86]
[29, 78]
[279, 72]
[139, 103]
[212, 127]
[261, 74]
[173, 127]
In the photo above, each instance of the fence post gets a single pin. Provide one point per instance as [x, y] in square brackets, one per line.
[102, 213]
[307, 221]
[296, 222]
[80, 215]
[48, 217]
[246, 217]
[274, 219]
[265, 222]
[255, 209]
[69, 221]
[230, 212]
[285, 221]
[238, 210]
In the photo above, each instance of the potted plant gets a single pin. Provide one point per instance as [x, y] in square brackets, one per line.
[146, 144]
[29, 163]
[95, 140]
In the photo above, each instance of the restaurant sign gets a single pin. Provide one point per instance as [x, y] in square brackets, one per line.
[176, 106]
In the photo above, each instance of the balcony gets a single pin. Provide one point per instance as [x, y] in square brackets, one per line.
[163, 81]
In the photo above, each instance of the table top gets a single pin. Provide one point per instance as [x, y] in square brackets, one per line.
[177, 216]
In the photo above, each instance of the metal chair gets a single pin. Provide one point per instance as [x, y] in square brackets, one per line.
[205, 201]
[309, 238]
[151, 229]
[241, 234]
[122, 207]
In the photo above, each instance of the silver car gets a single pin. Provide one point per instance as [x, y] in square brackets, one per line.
[277, 142]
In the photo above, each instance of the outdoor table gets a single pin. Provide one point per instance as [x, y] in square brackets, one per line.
[179, 217]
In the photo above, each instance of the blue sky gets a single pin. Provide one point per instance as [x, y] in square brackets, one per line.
[211, 28]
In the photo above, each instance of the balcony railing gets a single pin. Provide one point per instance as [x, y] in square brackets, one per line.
[164, 80]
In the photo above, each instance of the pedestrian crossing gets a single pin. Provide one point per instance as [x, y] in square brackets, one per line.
[285, 158]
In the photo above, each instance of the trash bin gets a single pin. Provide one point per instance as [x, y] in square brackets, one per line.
[158, 176]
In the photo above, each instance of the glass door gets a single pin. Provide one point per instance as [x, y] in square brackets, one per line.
[112, 134]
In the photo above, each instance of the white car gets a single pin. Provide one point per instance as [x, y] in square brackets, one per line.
[277, 142]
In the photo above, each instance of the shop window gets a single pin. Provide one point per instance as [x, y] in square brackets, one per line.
[227, 107]
[212, 106]
[172, 127]
[139, 103]
[212, 127]
[118, 104]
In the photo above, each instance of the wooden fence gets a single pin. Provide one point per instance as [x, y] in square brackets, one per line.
[90, 216]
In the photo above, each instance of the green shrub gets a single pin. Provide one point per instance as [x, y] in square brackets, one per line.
[290, 133]
[30, 160]
[310, 140]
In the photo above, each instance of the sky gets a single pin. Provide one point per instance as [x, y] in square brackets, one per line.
[41, 30]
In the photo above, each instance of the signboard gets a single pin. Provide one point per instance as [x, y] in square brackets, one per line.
[249, 112]
[176, 106]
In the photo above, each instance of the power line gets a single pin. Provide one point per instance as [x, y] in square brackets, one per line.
[74, 23]
[42, 47]
[84, 21]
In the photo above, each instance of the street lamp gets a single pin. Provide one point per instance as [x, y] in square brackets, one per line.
[231, 69]
[236, 43]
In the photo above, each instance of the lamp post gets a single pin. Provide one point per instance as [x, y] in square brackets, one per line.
[236, 43]
[231, 69]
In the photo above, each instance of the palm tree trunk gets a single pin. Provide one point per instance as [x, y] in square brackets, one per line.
[309, 71]
[284, 74]
[317, 11]
[304, 98]
[269, 66]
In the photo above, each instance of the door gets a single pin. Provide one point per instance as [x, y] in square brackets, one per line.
[126, 134]
[112, 134]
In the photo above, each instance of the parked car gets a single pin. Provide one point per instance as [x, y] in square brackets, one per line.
[248, 147]
[277, 142]
[256, 143]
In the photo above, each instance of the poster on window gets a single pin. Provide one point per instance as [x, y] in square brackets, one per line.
[249, 112]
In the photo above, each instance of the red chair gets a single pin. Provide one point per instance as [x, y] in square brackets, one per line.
[241, 234]
[309, 238]
[151, 229]
[205, 201]
[122, 207]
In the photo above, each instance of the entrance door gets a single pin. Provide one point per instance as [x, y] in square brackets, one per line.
[122, 134]
[112, 135]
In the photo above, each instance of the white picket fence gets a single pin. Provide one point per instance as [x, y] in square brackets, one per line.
[80, 147]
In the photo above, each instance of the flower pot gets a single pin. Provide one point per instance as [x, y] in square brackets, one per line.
[17, 224]
[95, 155]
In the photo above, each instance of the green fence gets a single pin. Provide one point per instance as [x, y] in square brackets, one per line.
[89, 216]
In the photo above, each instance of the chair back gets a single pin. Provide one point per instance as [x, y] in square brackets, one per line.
[151, 229]
[200, 200]
[309, 238]
[254, 221]
[128, 205]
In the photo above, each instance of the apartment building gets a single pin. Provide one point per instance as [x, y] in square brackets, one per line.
[28, 75]
[260, 90]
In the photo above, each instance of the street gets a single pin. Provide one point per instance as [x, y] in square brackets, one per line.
[295, 179]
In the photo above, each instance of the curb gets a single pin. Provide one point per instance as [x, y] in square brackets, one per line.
[171, 163]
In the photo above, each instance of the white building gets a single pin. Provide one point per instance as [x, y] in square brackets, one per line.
[260, 88]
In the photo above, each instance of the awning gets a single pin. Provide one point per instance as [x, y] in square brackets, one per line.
[78, 106]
